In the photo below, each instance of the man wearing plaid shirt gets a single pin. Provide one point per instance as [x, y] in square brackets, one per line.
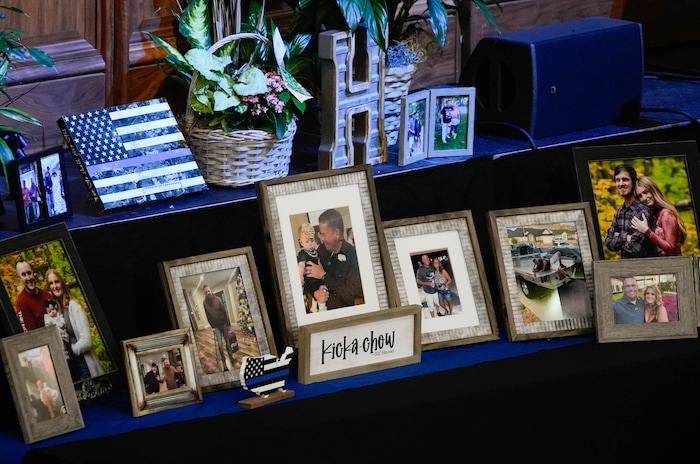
[621, 235]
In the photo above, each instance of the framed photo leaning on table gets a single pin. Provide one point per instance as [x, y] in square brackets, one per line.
[544, 257]
[451, 122]
[327, 246]
[645, 299]
[41, 384]
[218, 296]
[439, 268]
[415, 115]
[45, 283]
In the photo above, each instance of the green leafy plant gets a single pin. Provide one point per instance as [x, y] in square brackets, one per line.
[12, 48]
[244, 81]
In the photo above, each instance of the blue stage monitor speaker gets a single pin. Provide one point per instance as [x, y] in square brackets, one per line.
[559, 78]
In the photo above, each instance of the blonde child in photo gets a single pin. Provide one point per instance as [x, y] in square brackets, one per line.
[52, 316]
[309, 252]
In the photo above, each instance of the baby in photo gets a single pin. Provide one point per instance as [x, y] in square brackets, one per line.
[309, 252]
[53, 316]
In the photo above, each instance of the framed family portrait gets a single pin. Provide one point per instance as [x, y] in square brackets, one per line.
[327, 245]
[160, 371]
[439, 269]
[39, 187]
[645, 299]
[218, 296]
[655, 184]
[544, 257]
[45, 283]
[41, 384]
[451, 125]
[415, 111]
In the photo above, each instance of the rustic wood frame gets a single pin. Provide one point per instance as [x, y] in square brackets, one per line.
[178, 339]
[452, 234]
[513, 287]
[44, 342]
[175, 272]
[351, 187]
[681, 267]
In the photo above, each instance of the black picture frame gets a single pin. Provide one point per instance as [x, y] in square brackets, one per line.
[53, 204]
[676, 161]
[53, 247]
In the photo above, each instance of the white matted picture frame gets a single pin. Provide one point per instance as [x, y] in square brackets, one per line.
[451, 124]
[218, 296]
[460, 310]
[544, 257]
[413, 142]
[645, 299]
[41, 384]
[160, 372]
[350, 273]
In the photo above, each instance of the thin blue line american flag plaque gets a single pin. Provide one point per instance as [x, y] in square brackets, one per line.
[131, 154]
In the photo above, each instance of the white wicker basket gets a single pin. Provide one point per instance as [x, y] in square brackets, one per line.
[242, 157]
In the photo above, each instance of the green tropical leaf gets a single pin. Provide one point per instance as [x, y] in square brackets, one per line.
[19, 115]
[40, 57]
[174, 58]
[352, 12]
[195, 24]
[252, 81]
[438, 20]
[377, 21]
[487, 14]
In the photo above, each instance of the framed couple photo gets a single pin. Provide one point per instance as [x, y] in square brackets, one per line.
[45, 283]
[440, 269]
[665, 173]
[327, 245]
[437, 122]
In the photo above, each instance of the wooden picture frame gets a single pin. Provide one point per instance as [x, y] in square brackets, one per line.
[673, 166]
[673, 277]
[451, 239]
[359, 344]
[318, 199]
[33, 357]
[46, 171]
[415, 112]
[544, 257]
[233, 279]
[444, 140]
[49, 259]
[173, 347]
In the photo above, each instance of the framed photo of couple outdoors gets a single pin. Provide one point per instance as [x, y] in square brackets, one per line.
[440, 251]
[327, 246]
[218, 296]
[45, 283]
[666, 173]
[645, 299]
[544, 257]
[451, 121]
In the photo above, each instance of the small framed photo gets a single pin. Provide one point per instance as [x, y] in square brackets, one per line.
[440, 270]
[643, 197]
[41, 385]
[451, 125]
[39, 187]
[45, 283]
[544, 257]
[218, 296]
[327, 245]
[415, 110]
[160, 371]
[645, 299]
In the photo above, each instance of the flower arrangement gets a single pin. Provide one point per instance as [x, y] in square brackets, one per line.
[243, 81]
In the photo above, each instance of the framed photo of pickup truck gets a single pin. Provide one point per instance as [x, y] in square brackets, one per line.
[545, 264]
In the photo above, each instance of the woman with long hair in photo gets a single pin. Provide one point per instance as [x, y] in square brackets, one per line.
[654, 309]
[87, 364]
[670, 232]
